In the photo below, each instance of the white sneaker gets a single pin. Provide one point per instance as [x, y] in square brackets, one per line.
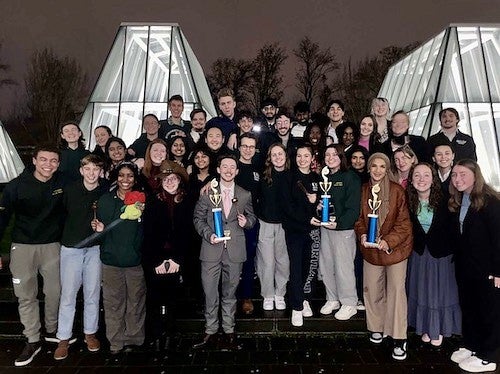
[268, 303]
[297, 319]
[461, 354]
[345, 312]
[307, 311]
[474, 364]
[329, 307]
[279, 301]
[360, 305]
[399, 351]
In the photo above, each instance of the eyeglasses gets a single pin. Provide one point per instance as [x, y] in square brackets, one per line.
[244, 146]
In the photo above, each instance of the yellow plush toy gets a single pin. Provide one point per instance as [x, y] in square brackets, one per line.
[134, 205]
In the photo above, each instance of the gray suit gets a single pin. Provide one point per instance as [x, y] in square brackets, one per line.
[222, 260]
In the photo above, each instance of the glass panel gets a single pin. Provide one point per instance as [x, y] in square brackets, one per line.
[496, 115]
[434, 69]
[391, 95]
[418, 71]
[158, 64]
[408, 76]
[490, 37]
[86, 126]
[483, 133]
[108, 86]
[158, 109]
[135, 63]
[181, 82]
[413, 117]
[399, 83]
[473, 64]
[130, 122]
[451, 85]
[106, 114]
[420, 121]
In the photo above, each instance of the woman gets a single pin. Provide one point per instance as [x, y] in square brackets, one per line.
[385, 261]
[167, 223]
[348, 135]
[476, 208]
[156, 153]
[433, 308]
[124, 288]
[298, 198]
[72, 146]
[381, 111]
[116, 153]
[403, 158]
[443, 157]
[314, 135]
[177, 150]
[358, 162]
[369, 138]
[102, 134]
[338, 240]
[272, 262]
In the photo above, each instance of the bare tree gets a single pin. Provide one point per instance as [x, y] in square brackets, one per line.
[315, 65]
[55, 90]
[267, 79]
[4, 68]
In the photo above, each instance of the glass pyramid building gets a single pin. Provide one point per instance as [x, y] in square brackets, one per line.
[147, 64]
[11, 164]
[459, 68]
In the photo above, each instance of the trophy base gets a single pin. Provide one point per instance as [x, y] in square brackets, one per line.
[222, 239]
[372, 245]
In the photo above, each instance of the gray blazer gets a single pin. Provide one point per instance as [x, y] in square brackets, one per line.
[204, 225]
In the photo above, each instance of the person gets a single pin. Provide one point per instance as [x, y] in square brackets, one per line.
[177, 150]
[269, 109]
[72, 146]
[335, 112]
[116, 153]
[167, 226]
[198, 121]
[124, 288]
[102, 134]
[348, 135]
[369, 138]
[403, 160]
[35, 198]
[381, 112]
[463, 145]
[151, 126]
[302, 114]
[222, 260]
[443, 158]
[272, 261]
[338, 240]
[398, 137]
[174, 124]
[358, 163]
[314, 136]
[385, 262]
[245, 126]
[226, 121]
[476, 209]
[156, 153]
[298, 197]
[80, 265]
[433, 308]
[215, 142]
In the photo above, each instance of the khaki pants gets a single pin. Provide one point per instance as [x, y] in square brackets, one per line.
[385, 298]
[26, 261]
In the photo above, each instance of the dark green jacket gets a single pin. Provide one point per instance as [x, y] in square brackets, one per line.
[346, 195]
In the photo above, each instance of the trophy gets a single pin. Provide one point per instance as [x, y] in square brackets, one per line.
[216, 198]
[325, 186]
[374, 204]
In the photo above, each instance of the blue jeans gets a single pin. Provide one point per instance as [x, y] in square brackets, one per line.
[79, 266]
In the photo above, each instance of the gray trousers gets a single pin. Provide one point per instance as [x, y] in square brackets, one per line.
[26, 261]
[211, 273]
[272, 262]
[124, 299]
[336, 264]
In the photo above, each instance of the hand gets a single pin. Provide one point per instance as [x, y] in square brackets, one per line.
[139, 162]
[205, 189]
[366, 244]
[331, 225]
[382, 245]
[311, 197]
[315, 222]
[160, 269]
[242, 220]
[232, 142]
[174, 267]
[496, 280]
[1, 265]
[97, 225]
[214, 239]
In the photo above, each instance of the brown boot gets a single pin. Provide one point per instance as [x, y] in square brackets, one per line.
[247, 306]
[61, 351]
[93, 344]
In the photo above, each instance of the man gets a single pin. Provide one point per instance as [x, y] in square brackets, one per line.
[463, 145]
[335, 112]
[226, 121]
[223, 258]
[269, 109]
[35, 197]
[151, 127]
[248, 178]
[174, 125]
[400, 124]
[198, 122]
[302, 113]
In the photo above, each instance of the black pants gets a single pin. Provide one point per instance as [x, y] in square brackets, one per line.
[299, 252]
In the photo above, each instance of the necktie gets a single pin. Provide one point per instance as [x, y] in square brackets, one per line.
[227, 202]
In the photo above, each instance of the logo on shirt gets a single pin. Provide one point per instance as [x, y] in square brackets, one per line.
[256, 176]
[461, 142]
[338, 184]
[57, 192]
[314, 186]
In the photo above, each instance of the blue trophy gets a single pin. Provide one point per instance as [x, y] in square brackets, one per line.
[374, 204]
[216, 198]
[326, 217]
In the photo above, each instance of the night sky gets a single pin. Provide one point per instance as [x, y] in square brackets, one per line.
[85, 29]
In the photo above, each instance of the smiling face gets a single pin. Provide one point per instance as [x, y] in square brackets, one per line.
[90, 173]
[462, 178]
[176, 107]
[449, 120]
[278, 158]
[247, 149]
[101, 136]
[214, 138]
[332, 159]
[403, 161]
[380, 108]
[348, 136]
[422, 179]
[126, 180]
[315, 135]
[443, 156]
[304, 159]
[158, 153]
[378, 170]
[116, 152]
[201, 160]
[283, 125]
[171, 183]
[366, 126]
[400, 124]
[178, 148]
[335, 113]
[245, 124]
[46, 164]
[269, 111]
[150, 125]
[228, 170]
[358, 160]
[198, 122]
[71, 133]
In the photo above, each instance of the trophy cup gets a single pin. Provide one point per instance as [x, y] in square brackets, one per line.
[325, 186]
[216, 198]
[374, 204]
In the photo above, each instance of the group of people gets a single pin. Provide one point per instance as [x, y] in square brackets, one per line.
[218, 201]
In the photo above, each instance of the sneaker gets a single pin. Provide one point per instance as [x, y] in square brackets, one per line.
[376, 337]
[51, 337]
[307, 311]
[346, 312]
[279, 301]
[461, 354]
[399, 350]
[297, 319]
[329, 307]
[360, 305]
[61, 351]
[29, 352]
[426, 338]
[268, 303]
[93, 344]
[437, 342]
[474, 364]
